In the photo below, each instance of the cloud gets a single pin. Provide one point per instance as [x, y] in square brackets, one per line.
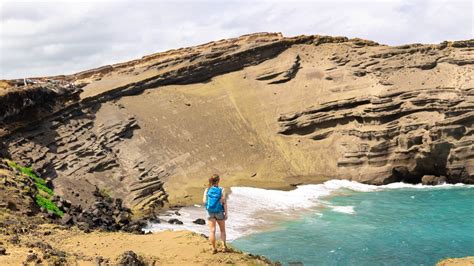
[49, 38]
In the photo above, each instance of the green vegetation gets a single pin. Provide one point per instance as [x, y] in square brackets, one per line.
[42, 200]
[45, 189]
[48, 205]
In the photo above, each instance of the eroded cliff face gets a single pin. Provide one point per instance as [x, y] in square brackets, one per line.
[261, 110]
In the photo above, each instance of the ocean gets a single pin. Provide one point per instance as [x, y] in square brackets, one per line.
[342, 222]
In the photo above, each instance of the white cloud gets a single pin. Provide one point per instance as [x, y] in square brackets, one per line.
[48, 38]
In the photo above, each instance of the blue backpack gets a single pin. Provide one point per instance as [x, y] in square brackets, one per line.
[213, 203]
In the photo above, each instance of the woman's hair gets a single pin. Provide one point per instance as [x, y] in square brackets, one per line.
[214, 180]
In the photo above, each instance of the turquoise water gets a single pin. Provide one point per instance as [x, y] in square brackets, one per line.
[404, 226]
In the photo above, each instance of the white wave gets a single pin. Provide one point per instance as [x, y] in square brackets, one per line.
[356, 186]
[254, 209]
[344, 209]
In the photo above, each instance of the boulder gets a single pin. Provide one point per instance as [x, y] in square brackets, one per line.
[3, 251]
[174, 221]
[31, 257]
[15, 240]
[101, 261]
[67, 219]
[199, 221]
[433, 180]
[130, 258]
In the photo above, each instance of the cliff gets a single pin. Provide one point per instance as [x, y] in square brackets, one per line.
[261, 110]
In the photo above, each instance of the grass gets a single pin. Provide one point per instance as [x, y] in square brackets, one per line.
[45, 189]
[40, 183]
[48, 205]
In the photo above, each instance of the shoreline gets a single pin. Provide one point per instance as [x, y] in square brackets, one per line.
[294, 203]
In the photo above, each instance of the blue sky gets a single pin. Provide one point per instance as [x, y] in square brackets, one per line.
[39, 38]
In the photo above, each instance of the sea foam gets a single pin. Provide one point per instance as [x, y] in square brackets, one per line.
[255, 209]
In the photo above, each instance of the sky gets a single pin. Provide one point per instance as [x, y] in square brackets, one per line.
[42, 38]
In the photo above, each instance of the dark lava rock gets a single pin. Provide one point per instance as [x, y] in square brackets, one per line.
[67, 219]
[295, 263]
[106, 214]
[101, 261]
[31, 257]
[199, 221]
[41, 245]
[15, 240]
[3, 251]
[174, 221]
[136, 226]
[154, 219]
[130, 258]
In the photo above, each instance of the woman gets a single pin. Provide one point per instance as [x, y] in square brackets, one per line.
[216, 206]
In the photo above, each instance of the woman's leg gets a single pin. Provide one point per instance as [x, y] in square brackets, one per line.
[212, 233]
[222, 228]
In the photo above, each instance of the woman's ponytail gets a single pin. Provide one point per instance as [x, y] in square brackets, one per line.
[213, 180]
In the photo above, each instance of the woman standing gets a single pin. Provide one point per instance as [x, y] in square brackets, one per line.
[216, 206]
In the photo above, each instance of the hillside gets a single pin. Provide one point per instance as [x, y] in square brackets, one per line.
[260, 110]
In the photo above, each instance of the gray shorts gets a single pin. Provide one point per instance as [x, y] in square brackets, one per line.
[215, 215]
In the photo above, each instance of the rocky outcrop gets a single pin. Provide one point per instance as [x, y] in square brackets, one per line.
[18, 196]
[23, 105]
[73, 147]
[276, 77]
[392, 133]
[106, 214]
[402, 134]
[130, 258]
[433, 180]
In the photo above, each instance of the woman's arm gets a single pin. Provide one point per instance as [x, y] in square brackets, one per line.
[204, 197]
[224, 203]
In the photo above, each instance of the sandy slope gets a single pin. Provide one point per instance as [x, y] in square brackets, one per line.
[164, 248]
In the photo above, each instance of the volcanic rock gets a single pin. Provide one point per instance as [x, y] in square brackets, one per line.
[130, 258]
[31, 257]
[174, 221]
[199, 221]
[433, 180]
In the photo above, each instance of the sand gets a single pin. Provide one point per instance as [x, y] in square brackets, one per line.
[163, 248]
[467, 261]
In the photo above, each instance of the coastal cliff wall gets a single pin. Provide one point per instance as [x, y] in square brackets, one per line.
[261, 110]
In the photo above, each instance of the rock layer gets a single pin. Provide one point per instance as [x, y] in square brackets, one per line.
[404, 134]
